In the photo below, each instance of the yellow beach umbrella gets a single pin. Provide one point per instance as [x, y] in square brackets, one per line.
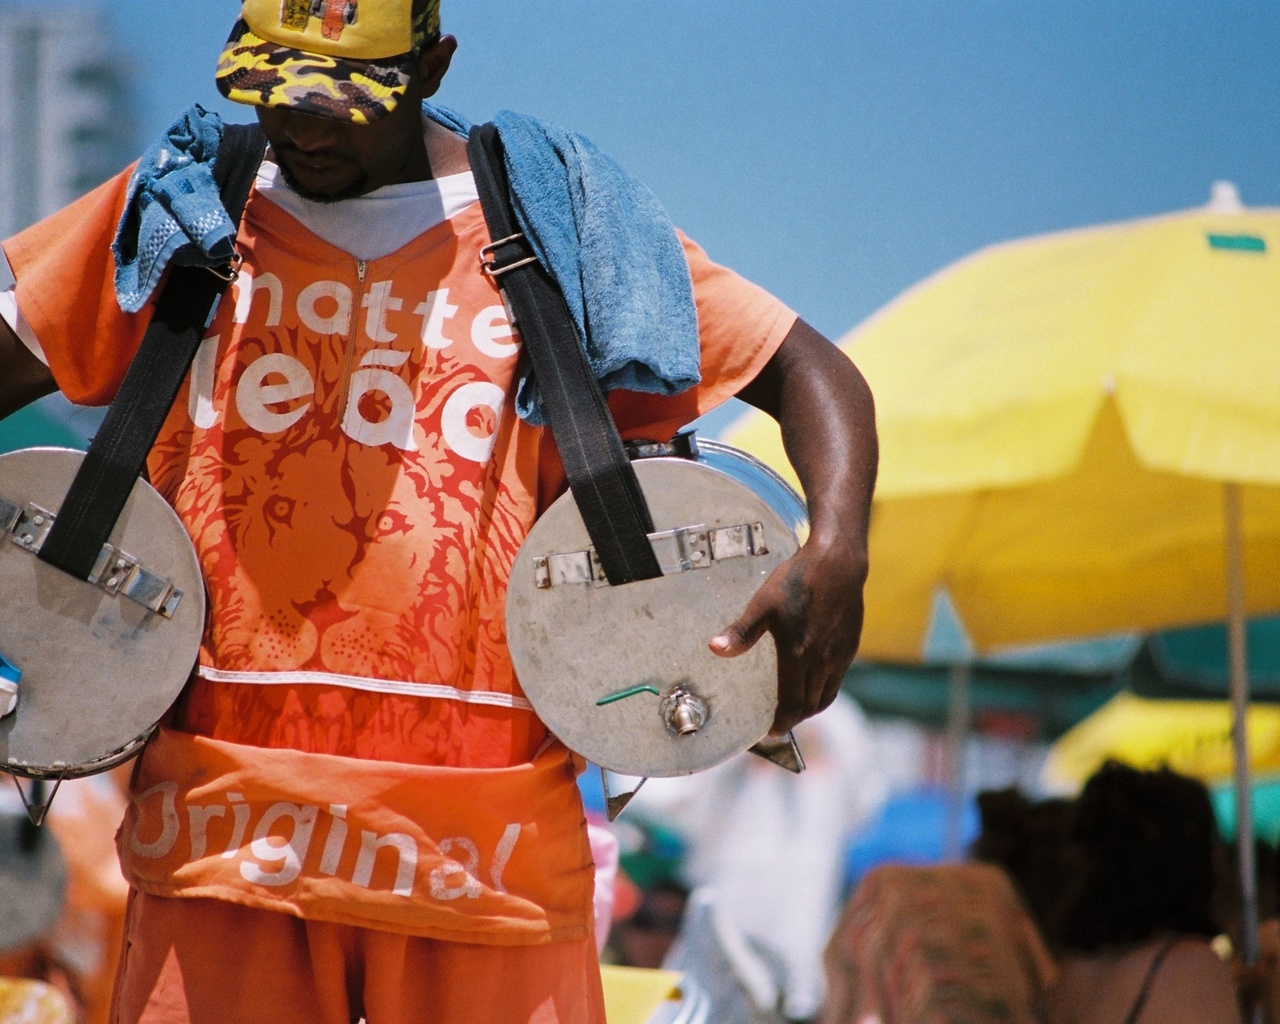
[1192, 737]
[1057, 419]
[1080, 434]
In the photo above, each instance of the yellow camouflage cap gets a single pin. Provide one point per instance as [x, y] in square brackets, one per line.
[346, 59]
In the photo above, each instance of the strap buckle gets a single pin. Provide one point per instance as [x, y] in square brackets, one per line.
[489, 262]
[231, 271]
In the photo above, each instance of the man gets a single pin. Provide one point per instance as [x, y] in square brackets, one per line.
[353, 811]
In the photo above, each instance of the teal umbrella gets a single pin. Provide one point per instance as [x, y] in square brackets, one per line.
[1192, 662]
[1054, 686]
[1040, 692]
[35, 427]
[1047, 687]
[1037, 691]
[1037, 704]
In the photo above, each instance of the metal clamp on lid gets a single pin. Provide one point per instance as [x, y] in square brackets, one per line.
[679, 550]
[119, 573]
[115, 571]
[683, 446]
[9, 515]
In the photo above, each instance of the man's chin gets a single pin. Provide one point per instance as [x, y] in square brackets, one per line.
[357, 187]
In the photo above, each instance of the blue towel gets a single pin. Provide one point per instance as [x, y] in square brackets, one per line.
[603, 236]
[172, 210]
[612, 249]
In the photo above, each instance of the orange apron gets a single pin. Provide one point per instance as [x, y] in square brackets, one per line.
[391, 846]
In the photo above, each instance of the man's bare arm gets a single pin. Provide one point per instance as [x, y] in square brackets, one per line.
[23, 378]
[812, 603]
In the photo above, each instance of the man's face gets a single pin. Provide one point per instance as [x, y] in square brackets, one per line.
[328, 160]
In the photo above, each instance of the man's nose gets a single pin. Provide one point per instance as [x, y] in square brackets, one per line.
[309, 132]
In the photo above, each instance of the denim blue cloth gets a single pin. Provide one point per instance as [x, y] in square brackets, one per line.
[612, 249]
[603, 236]
[172, 210]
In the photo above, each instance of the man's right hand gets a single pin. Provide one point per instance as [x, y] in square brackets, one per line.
[23, 378]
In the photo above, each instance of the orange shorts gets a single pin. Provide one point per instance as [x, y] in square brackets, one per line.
[199, 961]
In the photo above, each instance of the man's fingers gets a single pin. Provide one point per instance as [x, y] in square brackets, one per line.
[797, 702]
[740, 636]
[826, 694]
[793, 698]
[784, 722]
[809, 642]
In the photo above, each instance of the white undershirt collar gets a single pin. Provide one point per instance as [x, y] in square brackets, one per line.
[380, 222]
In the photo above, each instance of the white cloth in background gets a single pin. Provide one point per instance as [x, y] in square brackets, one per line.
[771, 844]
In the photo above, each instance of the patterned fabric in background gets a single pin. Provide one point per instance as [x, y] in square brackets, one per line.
[935, 945]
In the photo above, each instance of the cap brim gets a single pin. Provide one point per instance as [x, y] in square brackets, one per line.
[265, 74]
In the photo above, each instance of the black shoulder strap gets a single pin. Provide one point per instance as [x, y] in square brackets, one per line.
[1135, 1011]
[600, 475]
[119, 450]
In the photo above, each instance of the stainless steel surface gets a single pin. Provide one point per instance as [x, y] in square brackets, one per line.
[98, 670]
[36, 796]
[783, 751]
[118, 572]
[601, 663]
[615, 803]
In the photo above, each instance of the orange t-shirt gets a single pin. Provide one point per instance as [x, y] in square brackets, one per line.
[346, 459]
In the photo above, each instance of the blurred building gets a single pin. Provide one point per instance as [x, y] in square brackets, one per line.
[65, 122]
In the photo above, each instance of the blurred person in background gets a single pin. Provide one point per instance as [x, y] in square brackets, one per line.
[1259, 983]
[79, 952]
[943, 944]
[1137, 913]
[1027, 839]
[745, 821]
[644, 936]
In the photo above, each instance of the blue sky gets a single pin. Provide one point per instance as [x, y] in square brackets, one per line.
[838, 151]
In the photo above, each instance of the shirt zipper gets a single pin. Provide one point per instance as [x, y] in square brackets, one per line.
[349, 349]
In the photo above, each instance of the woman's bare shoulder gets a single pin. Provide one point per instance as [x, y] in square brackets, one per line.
[1192, 985]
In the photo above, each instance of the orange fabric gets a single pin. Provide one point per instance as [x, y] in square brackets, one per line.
[352, 477]
[395, 847]
[345, 458]
[52, 268]
[356, 498]
[211, 962]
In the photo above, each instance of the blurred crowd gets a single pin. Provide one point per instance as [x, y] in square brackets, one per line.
[1119, 905]
[62, 903]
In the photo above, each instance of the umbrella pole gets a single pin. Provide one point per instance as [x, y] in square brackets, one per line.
[957, 733]
[1237, 662]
